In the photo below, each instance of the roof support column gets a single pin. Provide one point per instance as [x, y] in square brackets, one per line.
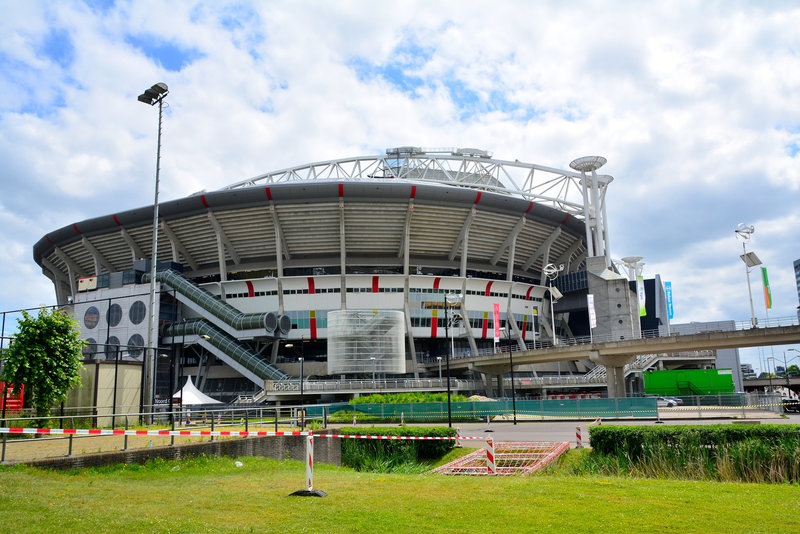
[342, 251]
[223, 267]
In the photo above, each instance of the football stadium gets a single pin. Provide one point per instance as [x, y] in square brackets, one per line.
[372, 269]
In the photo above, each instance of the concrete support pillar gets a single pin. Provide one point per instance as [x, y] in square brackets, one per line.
[615, 371]
[616, 381]
[500, 388]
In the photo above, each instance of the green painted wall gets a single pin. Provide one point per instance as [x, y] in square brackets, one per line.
[689, 382]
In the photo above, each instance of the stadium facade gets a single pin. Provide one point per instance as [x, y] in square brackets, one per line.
[359, 266]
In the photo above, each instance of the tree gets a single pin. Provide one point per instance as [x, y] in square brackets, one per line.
[45, 356]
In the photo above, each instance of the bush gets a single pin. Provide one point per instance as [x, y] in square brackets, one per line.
[763, 453]
[394, 455]
[407, 398]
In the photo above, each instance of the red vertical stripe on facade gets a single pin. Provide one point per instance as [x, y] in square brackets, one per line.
[528, 293]
[311, 287]
[413, 191]
[250, 291]
[436, 282]
[524, 327]
[116, 220]
[529, 207]
[489, 288]
[75, 226]
[312, 323]
[203, 200]
[478, 198]
[434, 321]
[485, 325]
[341, 190]
[269, 194]
[375, 286]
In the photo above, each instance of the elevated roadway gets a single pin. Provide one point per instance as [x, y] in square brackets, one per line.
[614, 355]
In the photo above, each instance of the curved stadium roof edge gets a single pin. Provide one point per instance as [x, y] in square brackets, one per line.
[307, 192]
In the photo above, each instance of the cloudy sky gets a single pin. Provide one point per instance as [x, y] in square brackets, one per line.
[694, 104]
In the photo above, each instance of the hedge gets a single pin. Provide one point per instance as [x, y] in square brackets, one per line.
[633, 441]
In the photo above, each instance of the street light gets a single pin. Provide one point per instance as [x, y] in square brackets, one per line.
[786, 368]
[302, 401]
[447, 302]
[373, 370]
[750, 259]
[155, 95]
[439, 359]
[551, 272]
[511, 363]
[769, 373]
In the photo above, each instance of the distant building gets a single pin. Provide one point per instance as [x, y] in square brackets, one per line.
[747, 371]
[797, 281]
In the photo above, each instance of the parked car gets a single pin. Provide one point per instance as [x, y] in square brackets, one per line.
[676, 400]
[666, 402]
[791, 405]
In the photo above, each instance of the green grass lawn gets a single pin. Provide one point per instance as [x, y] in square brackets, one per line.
[212, 495]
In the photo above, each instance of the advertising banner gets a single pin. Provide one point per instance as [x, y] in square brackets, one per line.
[668, 293]
[642, 296]
[496, 323]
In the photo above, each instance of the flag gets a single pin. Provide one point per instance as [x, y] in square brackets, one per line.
[592, 314]
[767, 292]
[496, 323]
[642, 295]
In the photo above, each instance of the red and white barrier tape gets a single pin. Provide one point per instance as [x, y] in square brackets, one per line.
[122, 432]
[361, 436]
[212, 433]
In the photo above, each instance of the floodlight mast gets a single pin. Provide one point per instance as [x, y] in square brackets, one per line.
[551, 272]
[155, 95]
[744, 232]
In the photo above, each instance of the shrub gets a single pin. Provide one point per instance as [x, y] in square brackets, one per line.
[764, 453]
[394, 455]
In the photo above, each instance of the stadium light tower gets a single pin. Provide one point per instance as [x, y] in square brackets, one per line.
[750, 259]
[155, 95]
[551, 272]
[449, 298]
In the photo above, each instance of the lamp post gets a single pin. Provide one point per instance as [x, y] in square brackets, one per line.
[447, 302]
[373, 371]
[155, 95]
[511, 364]
[786, 368]
[439, 359]
[551, 272]
[769, 372]
[750, 259]
[302, 400]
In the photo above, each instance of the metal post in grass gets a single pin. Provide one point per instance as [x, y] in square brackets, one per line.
[309, 490]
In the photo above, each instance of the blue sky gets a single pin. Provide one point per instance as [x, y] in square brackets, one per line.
[694, 104]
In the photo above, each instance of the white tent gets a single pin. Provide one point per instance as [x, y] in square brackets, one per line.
[190, 395]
